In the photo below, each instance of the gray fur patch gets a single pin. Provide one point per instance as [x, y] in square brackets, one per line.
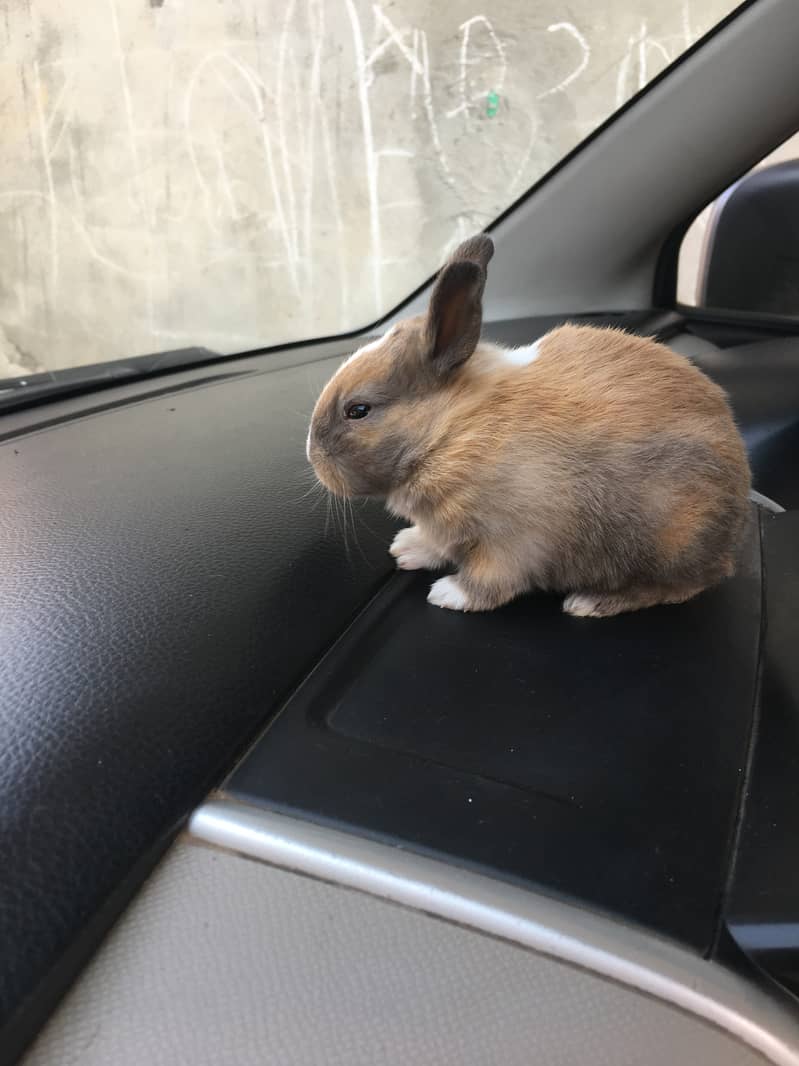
[615, 541]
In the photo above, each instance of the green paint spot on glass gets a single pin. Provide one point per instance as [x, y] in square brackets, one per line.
[492, 104]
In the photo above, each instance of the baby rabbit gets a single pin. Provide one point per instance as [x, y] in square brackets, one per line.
[592, 463]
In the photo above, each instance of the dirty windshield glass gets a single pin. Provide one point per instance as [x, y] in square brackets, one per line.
[238, 173]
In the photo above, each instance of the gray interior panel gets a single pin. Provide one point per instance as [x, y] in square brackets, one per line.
[222, 961]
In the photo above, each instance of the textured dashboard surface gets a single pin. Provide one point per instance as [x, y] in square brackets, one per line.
[165, 579]
[165, 582]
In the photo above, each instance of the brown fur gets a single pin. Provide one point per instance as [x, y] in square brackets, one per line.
[609, 466]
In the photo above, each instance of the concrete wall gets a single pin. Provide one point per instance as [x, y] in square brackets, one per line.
[235, 173]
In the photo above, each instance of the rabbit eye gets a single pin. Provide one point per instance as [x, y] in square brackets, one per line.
[358, 410]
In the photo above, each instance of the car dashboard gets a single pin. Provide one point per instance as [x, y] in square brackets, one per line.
[191, 637]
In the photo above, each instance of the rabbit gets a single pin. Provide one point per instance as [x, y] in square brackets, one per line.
[592, 463]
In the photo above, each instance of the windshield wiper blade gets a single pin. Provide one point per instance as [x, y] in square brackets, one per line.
[37, 388]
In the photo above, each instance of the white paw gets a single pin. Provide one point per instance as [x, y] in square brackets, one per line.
[410, 551]
[446, 592]
[581, 605]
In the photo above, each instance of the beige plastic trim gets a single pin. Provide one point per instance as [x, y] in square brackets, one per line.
[580, 937]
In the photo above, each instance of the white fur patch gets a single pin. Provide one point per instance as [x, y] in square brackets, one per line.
[489, 358]
[581, 605]
[446, 592]
[308, 445]
[522, 356]
[372, 346]
[411, 551]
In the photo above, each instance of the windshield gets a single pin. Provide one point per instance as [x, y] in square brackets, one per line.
[234, 174]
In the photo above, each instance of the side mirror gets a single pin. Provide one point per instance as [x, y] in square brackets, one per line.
[751, 255]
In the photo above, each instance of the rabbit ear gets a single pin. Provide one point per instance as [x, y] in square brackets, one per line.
[455, 314]
[478, 249]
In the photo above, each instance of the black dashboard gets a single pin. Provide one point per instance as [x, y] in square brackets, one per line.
[170, 581]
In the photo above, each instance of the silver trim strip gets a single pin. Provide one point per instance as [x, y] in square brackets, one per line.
[616, 951]
[766, 502]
